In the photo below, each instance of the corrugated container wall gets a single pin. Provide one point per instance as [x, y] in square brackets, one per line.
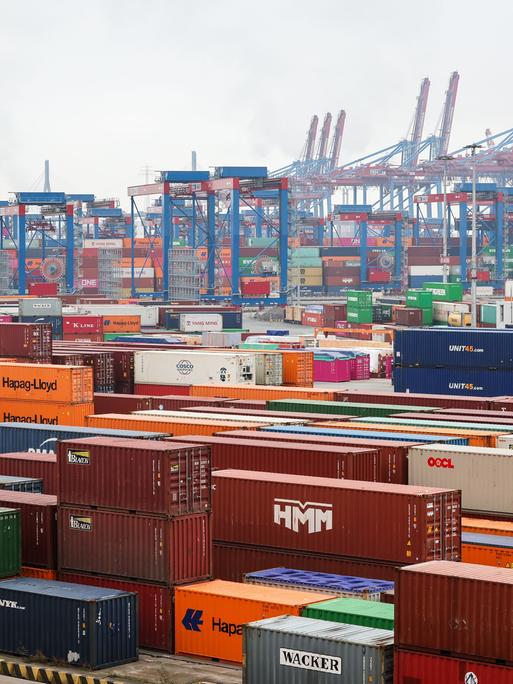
[411, 667]
[453, 381]
[10, 542]
[39, 466]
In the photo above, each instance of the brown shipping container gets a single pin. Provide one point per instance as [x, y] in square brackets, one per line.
[305, 417]
[407, 316]
[177, 402]
[473, 414]
[38, 526]
[233, 561]
[281, 457]
[155, 607]
[44, 412]
[26, 340]
[29, 464]
[394, 523]
[441, 400]
[394, 454]
[174, 426]
[67, 384]
[157, 549]
[146, 476]
[121, 403]
[471, 615]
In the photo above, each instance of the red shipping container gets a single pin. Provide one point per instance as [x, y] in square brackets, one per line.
[83, 337]
[4, 318]
[232, 561]
[176, 402]
[281, 457]
[29, 464]
[303, 417]
[407, 316]
[81, 324]
[465, 610]
[164, 478]
[391, 453]
[26, 340]
[377, 275]
[161, 390]
[42, 289]
[313, 319]
[254, 404]
[155, 607]
[411, 667]
[121, 403]
[38, 526]
[442, 400]
[167, 550]
[255, 288]
[392, 523]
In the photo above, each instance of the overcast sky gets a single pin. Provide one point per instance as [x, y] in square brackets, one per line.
[104, 87]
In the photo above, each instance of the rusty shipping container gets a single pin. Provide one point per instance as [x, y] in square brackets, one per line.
[175, 426]
[470, 617]
[281, 457]
[156, 549]
[233, 561]
[146, 476]
[393, 523]
[155, 605]
[38, 526]
[411, 667]
[394, 453]
[61, 384]
[29, 464]
[44, 412]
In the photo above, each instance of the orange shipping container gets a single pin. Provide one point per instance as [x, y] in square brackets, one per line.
[121, 324]
[209, 616]
[25, 381]
[260, 392]
[484, 526]
[44, 412]
[174, 426]
[38, 573]
[491, 551]
[476, 438]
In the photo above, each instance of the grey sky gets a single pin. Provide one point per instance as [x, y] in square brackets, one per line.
[102, 87]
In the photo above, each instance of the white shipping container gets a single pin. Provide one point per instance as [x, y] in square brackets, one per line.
[107, 243]
[221, 339]
[184, 367]
[505, 442]
[484, 475]
[426, 270]
[201, 322]
[149, 314]
[441, 310]
[201, 417]
[139, 272]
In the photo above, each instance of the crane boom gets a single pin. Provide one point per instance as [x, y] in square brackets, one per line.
[448, 113]
[336, 140]
[418, 121]
[310, 139]
[325, 134]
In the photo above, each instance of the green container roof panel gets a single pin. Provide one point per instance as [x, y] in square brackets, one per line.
[10, 542]
[353, 612]
[342, 408]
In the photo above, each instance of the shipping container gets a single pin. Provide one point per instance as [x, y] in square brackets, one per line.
[175, 402]
[447, 292]
[483, 475]
[299, 418]
[283, 457]
[353, 611]
[209, 616]
[44, 412]
[487, 549]
[122, 323]
[485, 526]
[26, 340]
[412, 667]
[121, 403]
[155, 607]
[260, 392]
[38, 466]
[10, 542]
[43, 439]
[474, 421]
[81, 632]
[414, 399]
[341, 408]
[157, 549]
[62, 384]
[341, 585]
[39, 306]
[201, 322]
[173, 426]
[452, 381]
[394, 523]
[162, 478]
[300, 650]
[38, 526]
[15, 483]
[204, 415]
[82, 324]
[470, 617]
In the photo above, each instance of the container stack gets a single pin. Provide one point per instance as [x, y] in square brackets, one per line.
[465, 635]
[31, 342]
[42, 310]
[423, 300]
[359, 306]
[147, 532]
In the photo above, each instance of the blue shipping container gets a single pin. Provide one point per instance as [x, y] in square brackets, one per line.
[365, 434]
[78, 625]
[454, 348]
[43, 438]
[417, 281]
[456, 381]
[55, 322]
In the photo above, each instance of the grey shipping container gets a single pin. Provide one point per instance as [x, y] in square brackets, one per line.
[298, 650]
[21, 484]
[78, 625]
[43, 438]
[40, 306]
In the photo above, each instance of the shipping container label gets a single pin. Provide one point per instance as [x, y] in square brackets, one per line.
[35, 418]
[76, 457]
[468, 348]
[291, 514]
[36, 384]
[193, 620]
[307, 660]
[81, 522]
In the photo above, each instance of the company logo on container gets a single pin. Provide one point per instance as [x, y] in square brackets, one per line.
[192, 620]
[78, 457]
[469, 386]
[471, 678]
[310, 661]
[292, 514]
[184, 367]
[467, 348]
[81, 522]
[11, 604]
[440, 462]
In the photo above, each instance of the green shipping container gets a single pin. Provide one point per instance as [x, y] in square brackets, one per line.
[10, 542]
[427, 316]
[489, 314]
[445, 292]
[359, 314]
[353, 612]
[359, 298]
[421, 299]
[342, 408]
